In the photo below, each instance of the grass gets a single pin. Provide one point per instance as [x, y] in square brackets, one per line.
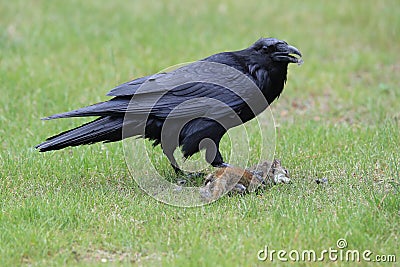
[338, 118]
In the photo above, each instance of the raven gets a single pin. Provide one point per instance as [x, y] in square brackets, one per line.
[188, 107]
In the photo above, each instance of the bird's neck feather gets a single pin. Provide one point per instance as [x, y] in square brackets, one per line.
[270, 80]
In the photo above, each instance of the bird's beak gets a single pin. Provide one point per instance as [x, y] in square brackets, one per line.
[288, 54]
[294, 53]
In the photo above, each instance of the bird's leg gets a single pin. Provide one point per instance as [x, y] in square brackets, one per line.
[174, 164]
[179, 172]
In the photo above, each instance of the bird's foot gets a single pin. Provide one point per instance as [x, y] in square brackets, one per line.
[195, 175]
[188, 178]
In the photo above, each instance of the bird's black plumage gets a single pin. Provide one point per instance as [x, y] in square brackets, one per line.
[190, 104]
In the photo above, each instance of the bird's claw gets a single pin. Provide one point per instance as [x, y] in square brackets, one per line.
[194, 175]
[184, 179]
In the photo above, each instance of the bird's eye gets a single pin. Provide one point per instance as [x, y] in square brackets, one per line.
[268, 48]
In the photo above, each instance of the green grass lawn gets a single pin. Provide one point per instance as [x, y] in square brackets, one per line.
[338, 118]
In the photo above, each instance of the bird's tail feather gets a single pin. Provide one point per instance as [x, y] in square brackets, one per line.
[115, 106]
[103, 129]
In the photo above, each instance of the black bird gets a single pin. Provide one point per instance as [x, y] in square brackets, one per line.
[191, 107]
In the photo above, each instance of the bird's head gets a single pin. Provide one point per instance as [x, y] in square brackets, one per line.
[278, 50]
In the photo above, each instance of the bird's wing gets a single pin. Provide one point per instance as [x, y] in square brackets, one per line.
[196, 89]
[199, 71]
[199, 89]
[188, 101]
[130, 88]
